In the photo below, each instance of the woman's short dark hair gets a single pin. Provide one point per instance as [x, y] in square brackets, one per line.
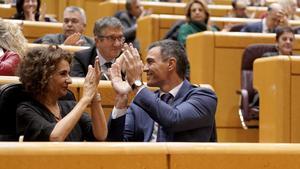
[279, 31]
[20, 11]
[38, 65]
[189, 6]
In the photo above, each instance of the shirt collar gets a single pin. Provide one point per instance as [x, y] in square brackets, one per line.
[174, 91]
[102, 60]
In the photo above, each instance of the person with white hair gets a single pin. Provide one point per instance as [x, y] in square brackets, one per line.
[73, 27]
[276, 17]
[12, 47]
[239, 9]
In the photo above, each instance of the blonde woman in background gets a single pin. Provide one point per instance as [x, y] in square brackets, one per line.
[12, 47]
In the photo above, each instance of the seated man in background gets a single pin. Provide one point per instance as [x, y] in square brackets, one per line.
[290, 7]
[178, 111]
[239, 9]
[128, 18]
[109, 39]
[73, 28]
[284, 42]
[257, 2]
[275, 17]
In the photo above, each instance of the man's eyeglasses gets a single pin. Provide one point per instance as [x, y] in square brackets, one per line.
[72, 20]
[114, 38]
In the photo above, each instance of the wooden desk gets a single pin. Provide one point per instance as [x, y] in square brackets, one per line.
[7, 11]
[89, 155]
[215, 59]
[71, 49]
[83, 156]
[229, 156]
[277, 80]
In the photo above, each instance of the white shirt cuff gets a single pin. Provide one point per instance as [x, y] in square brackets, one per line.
[116, 113]
[141, 88]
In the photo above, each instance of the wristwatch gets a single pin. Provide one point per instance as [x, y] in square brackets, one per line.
[136, 83]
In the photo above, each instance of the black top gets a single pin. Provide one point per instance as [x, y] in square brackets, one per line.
[36, 122]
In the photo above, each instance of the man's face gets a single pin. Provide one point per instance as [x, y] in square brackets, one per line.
[273, 19]
[285, 43]
[156, 68]
[73, 23]
[240, 12]
[110, 43]
[136, 8]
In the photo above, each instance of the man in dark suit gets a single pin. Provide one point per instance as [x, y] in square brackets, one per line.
[178, 111]
[109, 39]
[73, 27]
[128, 18]
[275, 17]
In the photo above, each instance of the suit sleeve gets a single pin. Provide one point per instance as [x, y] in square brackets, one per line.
[47, 39]
[123, 128]
[77, 69]
[245, 29]
[115, 129]
[130, 29]
[196, 111]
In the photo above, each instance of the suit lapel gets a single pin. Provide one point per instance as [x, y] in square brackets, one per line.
[182, 91]
[93, 55]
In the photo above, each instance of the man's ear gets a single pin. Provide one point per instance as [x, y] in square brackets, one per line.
[172, 64]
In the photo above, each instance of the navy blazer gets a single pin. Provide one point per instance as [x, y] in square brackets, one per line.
[81, 60]
[190, 118]
[253, 27]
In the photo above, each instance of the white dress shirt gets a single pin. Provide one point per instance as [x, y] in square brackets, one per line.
[104, 69]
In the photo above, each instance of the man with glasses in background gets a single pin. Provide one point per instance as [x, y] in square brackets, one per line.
[73, 27]
[109, 39]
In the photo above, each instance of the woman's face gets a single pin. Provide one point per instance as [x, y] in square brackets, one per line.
[59, 80]
[30, 6]
[285, 43]
[197, 12]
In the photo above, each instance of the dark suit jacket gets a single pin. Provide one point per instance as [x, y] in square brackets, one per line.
[81, 60]
[253, 27]
[128, 21]
[59, 39]
[190, 118]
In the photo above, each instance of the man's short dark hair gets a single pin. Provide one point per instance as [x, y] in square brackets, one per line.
[128, 4]
[105, 22]
[280, 30]
[170, 48]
